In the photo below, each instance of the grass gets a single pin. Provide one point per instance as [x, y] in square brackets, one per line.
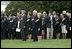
[52, 43]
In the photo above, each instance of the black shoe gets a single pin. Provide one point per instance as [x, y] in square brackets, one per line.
[35, 40]
[23, 39]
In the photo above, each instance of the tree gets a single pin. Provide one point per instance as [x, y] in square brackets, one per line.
[41, 6]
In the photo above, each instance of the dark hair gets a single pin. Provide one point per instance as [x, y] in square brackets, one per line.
[58, 14]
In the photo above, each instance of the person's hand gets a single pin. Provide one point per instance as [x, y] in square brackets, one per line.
[57, 22]
[24, 26]
[13, 28]
[37, 20]
[28, 19]
[29, 28]
[32, 19]
[70, 28]
[38, 29]
[63, 19]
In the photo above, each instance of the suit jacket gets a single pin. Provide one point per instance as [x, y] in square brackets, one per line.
[11, 24]
[48, 21]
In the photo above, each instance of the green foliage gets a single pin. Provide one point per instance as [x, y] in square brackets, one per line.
[40, 6]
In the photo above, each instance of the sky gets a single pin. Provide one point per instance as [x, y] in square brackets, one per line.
[4, 5]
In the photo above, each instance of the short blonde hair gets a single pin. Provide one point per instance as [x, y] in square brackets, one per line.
[68, 14]
[34, 11]
[64, 12]
[44, 13]
[54, 12]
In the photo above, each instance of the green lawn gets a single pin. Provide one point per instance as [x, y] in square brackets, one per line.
[52, 43]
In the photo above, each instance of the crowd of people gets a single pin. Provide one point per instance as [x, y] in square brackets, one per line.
[36, 25]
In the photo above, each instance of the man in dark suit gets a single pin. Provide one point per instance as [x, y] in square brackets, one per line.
[49, 25]
[6, 27]
[14, 27]
[18, 29]
[11, 28]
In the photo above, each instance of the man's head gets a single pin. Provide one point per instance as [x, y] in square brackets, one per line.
[61, 15]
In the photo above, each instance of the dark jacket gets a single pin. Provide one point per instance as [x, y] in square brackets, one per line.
[28, 23]
[34, 23]
[48, 21]
[11, 24]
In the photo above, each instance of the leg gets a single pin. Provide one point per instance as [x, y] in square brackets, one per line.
[29, 37]
[35, 38]
[63, 35]
[43, 33]
[58, 35]
[48, 30]
[9, 34]
[51, 32]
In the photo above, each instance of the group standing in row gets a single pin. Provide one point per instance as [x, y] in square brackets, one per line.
[36, 25]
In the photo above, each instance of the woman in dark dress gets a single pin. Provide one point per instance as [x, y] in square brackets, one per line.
[28, 25]
[34, 26]
[68, 27]
[57, 27]
[44, 14]
[39, 26]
